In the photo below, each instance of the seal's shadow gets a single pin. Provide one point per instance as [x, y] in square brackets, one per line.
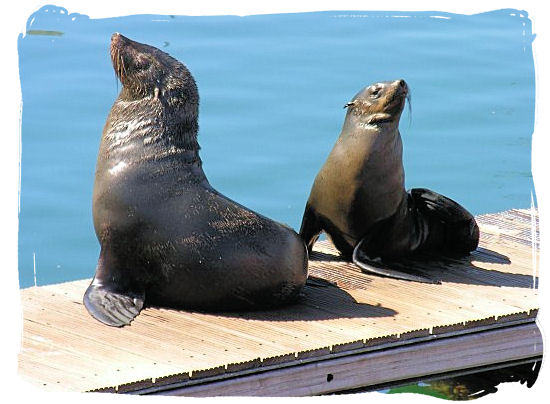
[323, 299]
[455, 269]
[321, 256]
[320, 300]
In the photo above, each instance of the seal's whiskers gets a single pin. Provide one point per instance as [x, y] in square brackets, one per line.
[409, 106]
[122, 67]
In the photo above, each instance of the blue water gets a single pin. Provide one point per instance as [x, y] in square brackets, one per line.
[272, 89]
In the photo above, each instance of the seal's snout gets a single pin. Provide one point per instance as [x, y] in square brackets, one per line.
[117, 39]
[123, 56]
[401, 86]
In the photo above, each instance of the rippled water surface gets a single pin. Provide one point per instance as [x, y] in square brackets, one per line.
[272, 89]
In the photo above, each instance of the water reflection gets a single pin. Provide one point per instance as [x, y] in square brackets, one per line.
[472, 386]
[465, 387]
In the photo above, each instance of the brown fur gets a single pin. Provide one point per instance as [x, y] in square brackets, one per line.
[359, 199]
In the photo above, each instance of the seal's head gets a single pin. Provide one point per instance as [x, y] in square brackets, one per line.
[380, 102]
[162, 86]
[147, 71]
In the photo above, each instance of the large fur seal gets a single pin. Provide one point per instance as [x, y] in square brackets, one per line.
[167, 237]
[359, 199]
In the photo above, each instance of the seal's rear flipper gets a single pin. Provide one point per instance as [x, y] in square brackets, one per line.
[112, 308]
[368, 265]
[452, 228]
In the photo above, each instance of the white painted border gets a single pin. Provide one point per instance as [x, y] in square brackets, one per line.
[15, 17]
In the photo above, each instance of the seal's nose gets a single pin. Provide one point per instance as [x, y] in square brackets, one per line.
[401, 86]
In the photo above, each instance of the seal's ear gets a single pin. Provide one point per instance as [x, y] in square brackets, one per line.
[349, 104]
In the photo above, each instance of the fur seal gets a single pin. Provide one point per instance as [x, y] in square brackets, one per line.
[167, 237]
[358, 197]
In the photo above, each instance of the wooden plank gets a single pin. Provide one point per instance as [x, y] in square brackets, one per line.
[63, 348]
[380, 367]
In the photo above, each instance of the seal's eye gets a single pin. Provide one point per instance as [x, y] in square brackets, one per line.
[375, 91]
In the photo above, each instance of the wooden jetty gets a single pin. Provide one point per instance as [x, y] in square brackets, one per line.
[349, 330]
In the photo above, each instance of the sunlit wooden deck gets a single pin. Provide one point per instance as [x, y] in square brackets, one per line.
[354, 330]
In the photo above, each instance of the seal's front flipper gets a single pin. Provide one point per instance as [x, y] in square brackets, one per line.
[111, 307]
[369, 265]
[310, 228]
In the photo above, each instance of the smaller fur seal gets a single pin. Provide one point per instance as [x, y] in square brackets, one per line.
[358, 197]
[167, 237]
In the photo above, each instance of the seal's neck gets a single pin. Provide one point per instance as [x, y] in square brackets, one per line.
[376, 133]
[147, 126]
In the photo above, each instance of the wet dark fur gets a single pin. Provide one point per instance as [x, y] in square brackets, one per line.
[359, 199]
[167, 237]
